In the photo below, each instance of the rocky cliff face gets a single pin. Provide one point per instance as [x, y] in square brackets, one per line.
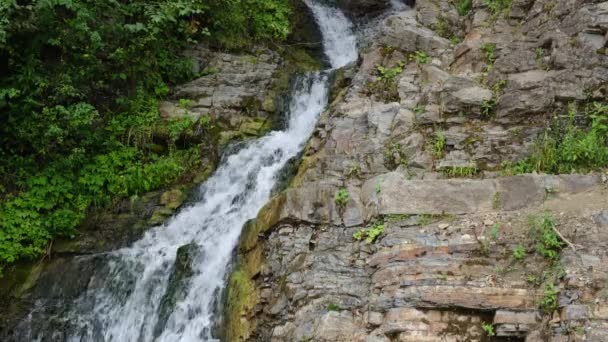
[439, 95]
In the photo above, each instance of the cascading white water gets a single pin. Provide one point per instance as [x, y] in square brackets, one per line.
[123, 303]
[339, 42]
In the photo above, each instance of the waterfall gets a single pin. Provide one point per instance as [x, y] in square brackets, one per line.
[125, 300]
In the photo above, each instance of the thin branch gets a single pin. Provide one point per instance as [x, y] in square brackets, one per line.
[573, 246]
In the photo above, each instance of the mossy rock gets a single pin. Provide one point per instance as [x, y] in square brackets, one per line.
[241, 298]
[172, 199]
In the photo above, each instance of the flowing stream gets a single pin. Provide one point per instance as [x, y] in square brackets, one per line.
[125, 303]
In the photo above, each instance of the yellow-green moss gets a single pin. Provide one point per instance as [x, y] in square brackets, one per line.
[242, 297]
[267, 218]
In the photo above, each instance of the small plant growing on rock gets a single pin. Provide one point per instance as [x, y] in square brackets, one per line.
[342, 198]
[332, 307]
[370, 234]
[424, 220]
[463, 7]
[389, 74]
[519, 253]
[419, 109]
[488, 329]
[438, 145]
[497, 7]
[420, 57]
[548, 242]
[185, 103]
[488, 108]
[549, 301]
[489, 54]
[460, 171]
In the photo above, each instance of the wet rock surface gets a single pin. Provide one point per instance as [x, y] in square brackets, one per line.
[444, 267]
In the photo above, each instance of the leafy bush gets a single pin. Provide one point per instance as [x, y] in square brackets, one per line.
[79, 88]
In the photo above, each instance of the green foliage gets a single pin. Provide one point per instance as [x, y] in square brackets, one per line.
[79, 92]
[389, 74]
[548, 302]
[438, 144]
[488, 108]
[420, 57]
[548, 243]
[489, 51]
[460, 171]
[488, 329]
[497, 7]
[425, 219]
[370, 234]
[464, 7]
[342, 197]
[332, 307]
[519, 253]
[570, 148]
[494, 231]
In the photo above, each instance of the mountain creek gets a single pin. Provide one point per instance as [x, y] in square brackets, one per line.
[372, 195]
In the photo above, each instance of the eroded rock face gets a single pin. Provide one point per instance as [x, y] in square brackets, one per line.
[444, 266]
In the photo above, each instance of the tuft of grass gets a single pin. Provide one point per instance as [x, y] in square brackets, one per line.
[464, 7]
[438, 144]
[498, 7]
[489, 53]
[460, 171]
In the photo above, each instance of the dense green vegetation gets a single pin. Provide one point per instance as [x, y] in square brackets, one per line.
[566, 147]
[80, 82]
